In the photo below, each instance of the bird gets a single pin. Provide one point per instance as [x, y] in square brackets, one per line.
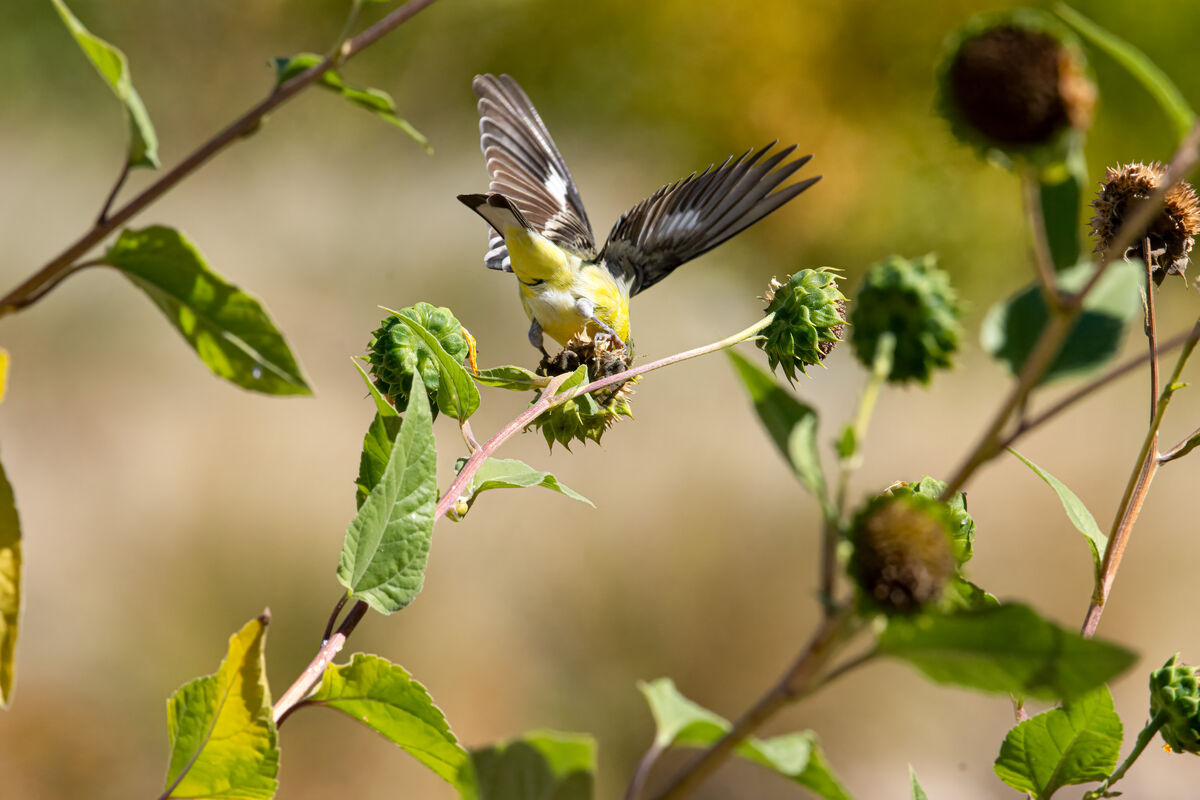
[539, 231]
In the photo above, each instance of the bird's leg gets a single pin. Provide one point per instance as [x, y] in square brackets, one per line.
[587, 310]
[536, 339]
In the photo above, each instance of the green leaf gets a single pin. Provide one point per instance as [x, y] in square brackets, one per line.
[385, 408]
[542, 765]
[1155, 81]
[1005, 649]
[792, 425]
[376, 101]
[1061, 205]
[509, 473]
[387, 544]
[223, 741]
[458, 396]
[1077, 513]
[917, 792]
[962, 595]
[1013, 326]
[517, 379]
[378, 444]
[1078, 743]
[796, 756]
[114, 69]
[10, 586]
[385, 698]
[226, 327]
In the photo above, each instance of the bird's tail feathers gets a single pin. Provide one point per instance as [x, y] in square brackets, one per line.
[497, 209]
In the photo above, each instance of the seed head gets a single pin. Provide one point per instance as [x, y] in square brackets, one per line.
[1171, 232]
[1175, 691]
[810, 316]
[395, 352]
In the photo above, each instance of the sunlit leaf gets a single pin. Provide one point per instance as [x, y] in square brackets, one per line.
[510, 377]
[387, 544]
[509, 473]
[385, 408]
[792, 425]
[1078, 743]
[227, 328]
[376, 454]
[1139, 65]
[796, 756]
[458, 396]
[385, 698]
[1077, 513]
[10, 586]
[1005, 649]
[376, 101]
[114, 69]
[1012, 327]
[542, 765]
[223, 740]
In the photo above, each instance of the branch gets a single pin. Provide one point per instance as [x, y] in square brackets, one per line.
[64, 264]
[802, 678]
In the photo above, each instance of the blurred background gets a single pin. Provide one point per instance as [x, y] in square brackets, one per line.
[163, 508]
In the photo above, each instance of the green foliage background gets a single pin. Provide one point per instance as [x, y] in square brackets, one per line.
[163, 508]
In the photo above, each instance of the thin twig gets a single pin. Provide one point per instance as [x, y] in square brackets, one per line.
[1088, 388]
[1042, 260]
[108, 201]
[644, 768]
[1151, 333]
[1063, 317]
[1136, 490]
[802, 678]
[333, 616]
[64, 264]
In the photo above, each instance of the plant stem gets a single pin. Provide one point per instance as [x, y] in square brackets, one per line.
[53, 273]
[881, 367]
[1042, 260]
[644, 768]
[1082, 392]
[1151, 334]
[1143, 739]
[1136, 490]
[112, 195]
[801, 679]
[1068, 309]
[549, 397]
[1039, 360]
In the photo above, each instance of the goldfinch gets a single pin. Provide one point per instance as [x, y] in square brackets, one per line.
[540, 232]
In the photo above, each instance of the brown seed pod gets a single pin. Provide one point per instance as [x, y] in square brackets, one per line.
[903, 554]
[1171, 232]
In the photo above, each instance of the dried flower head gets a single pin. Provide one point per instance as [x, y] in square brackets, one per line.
[587, 416]
[1016, 82]
[1171, 232]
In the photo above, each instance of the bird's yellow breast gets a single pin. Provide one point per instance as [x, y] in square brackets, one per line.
[551, 282]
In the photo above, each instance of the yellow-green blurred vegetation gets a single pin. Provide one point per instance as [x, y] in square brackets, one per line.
[163, 508]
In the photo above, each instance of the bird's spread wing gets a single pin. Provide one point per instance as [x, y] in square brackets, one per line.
[689, 217]
[525, 166]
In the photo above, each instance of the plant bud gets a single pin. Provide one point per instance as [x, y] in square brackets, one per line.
[396, 352]
[913, 300]
[810, 315]
[1175, 690]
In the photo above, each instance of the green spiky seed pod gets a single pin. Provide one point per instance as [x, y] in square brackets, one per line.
[962, 527]
[810, 315]
[1175, 692]
[1172, 230]
[903, 554]
[583, 418]
[395, 352]
[1015, 86]
[912, 299]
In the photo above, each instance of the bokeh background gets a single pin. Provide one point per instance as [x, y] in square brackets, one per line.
[163, 508]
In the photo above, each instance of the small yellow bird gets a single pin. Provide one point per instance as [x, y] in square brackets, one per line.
[540, 232]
